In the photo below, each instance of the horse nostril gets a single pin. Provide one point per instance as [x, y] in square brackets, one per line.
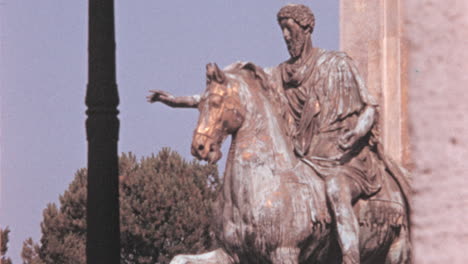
[201, 147]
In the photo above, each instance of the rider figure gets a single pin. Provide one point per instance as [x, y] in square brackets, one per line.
[330, 117]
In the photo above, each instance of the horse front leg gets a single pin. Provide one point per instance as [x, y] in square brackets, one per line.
[217, 256]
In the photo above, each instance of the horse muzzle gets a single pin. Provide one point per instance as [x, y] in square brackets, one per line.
[206, 148]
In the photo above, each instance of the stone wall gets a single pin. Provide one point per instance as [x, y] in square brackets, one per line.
[438, 112]
[429, 56]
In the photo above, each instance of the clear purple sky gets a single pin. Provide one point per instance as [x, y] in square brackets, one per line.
[160, 45]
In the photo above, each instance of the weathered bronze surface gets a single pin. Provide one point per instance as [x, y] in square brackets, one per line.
[306, 179]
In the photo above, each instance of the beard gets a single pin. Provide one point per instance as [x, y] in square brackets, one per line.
[296, 46]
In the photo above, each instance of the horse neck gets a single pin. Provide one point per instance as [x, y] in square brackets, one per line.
[261, 133]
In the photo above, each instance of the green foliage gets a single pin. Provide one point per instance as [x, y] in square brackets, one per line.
[4, 239]
[63, 230]
[30, 252]
[165, 209]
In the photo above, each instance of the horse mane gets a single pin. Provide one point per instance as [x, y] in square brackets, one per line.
[268, 87]
[256, 71]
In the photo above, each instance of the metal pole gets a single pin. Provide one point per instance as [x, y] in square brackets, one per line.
[102, 128]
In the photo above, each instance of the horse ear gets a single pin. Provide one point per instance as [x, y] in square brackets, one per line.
[214, 73]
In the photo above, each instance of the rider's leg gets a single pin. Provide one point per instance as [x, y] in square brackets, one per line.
[217, 256]
[341, 191]
[285, 255]
[400, 250]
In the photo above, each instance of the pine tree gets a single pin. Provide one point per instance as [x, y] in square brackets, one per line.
[165, 209]
[30, 252]
[170, 200]
[4, 233]
[64, 230]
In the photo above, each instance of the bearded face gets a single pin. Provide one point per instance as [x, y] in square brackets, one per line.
[295, 46]
[294, 36]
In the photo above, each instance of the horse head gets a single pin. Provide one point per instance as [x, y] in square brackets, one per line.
[221, 114]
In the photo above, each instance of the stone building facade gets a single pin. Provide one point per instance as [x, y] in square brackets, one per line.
[414, 55]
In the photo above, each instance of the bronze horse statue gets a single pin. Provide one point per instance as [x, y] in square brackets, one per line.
[272, 207]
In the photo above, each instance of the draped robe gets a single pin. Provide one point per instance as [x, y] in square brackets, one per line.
[321, 100]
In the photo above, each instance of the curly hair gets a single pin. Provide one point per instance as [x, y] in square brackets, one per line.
[301, 14]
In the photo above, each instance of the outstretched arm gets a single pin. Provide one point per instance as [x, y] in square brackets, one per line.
[172, 101]
[365, 122]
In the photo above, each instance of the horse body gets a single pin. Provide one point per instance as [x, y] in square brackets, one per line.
[272, 208]
[271, 200]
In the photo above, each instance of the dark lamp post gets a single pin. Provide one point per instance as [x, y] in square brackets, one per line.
[102, 128]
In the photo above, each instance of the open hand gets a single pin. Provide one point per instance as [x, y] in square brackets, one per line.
[158, 96]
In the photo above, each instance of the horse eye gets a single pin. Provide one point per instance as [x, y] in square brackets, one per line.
[216, 101]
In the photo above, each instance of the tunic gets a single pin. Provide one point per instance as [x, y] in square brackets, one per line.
[321, 100]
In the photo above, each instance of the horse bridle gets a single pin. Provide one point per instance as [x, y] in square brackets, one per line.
[225, 111]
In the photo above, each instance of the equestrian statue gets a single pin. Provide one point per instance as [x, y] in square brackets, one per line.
[306, 178]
